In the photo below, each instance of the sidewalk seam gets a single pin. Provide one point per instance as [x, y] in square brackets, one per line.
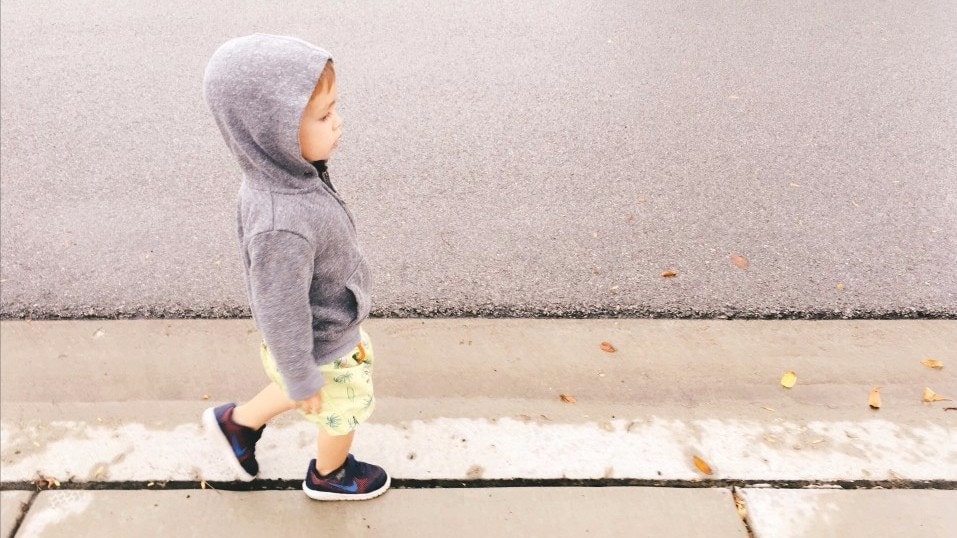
[24, 509]
[741, 508]
[407, 483]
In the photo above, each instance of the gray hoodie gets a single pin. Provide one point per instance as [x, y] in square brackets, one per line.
[307, 280]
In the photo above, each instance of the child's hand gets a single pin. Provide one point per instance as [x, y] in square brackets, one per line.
[312, 404]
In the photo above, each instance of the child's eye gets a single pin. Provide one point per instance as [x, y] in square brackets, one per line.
[324, 118]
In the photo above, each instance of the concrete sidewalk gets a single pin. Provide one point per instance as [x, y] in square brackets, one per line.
[110, 410]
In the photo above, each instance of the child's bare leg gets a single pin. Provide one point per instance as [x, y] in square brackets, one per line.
[270, 402]
[333, 450]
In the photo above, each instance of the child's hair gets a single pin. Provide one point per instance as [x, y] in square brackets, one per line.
[326, 79]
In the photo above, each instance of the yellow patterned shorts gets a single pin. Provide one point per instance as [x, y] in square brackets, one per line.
[347, 398]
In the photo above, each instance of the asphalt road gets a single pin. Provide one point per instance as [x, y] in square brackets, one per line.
[503, 158]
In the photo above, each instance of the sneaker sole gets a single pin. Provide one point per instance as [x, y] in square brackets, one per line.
[217, 438]
[330, 496]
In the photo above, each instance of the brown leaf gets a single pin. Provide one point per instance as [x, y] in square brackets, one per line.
[874, 399]
[739, 261]
[567, 398]
[931, 396]
[932, 363]
[607, 347]
[47, 482]
[702, 465]
[788, 379]
[669, 273]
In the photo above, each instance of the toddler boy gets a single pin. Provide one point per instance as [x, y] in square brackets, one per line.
[274, 100]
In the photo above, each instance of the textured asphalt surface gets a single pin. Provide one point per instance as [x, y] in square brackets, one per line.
[503, 159]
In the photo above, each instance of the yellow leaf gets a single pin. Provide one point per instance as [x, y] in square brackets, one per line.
[702, 465]
[874, 399]
[931, 396]
[932, 363]
[99, 471]
[669, 273]
[567, 398]
[739, 261]
[205, 396]
[788, 379]
[607, 347]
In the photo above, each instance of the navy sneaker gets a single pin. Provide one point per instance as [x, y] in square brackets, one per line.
[237, 442]
[353, 481]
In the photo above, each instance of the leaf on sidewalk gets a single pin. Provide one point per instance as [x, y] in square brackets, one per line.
[739, 261]
[932, 363]
[788, 379]
[702, 465]
[567, 398]
[874, 398]
[47, 482]
[669, 273]
[931, 396]
[607, 347]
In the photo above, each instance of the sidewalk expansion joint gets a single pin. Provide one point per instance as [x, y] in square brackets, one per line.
[24, 508]
[410, 483]
[18, 312]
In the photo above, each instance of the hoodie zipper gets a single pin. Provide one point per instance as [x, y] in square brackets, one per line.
[332, 190]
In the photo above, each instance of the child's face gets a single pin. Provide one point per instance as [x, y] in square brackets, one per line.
[319, 127]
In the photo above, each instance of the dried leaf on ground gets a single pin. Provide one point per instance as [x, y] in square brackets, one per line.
[840, 286]
[932, 363]
[788, 379]
[931, 396]
[607, 347]
[874, 398]
[567, 398]
[99, 471]
[47, 482]
[702, 465]
[669, 273]
[739, 261]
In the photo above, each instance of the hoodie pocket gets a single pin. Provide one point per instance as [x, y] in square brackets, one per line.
[359, 284]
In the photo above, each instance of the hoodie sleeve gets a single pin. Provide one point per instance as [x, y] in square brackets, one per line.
[279, 277]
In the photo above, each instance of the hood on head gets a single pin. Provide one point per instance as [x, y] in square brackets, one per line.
[257, 88]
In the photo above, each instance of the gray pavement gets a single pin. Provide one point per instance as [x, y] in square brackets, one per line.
[475, 404]
[507, 159]
[462, 512]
